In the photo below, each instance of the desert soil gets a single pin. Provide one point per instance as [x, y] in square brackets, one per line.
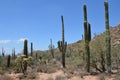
[47, 76]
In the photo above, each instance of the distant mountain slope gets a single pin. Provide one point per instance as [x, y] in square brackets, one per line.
[78, 46]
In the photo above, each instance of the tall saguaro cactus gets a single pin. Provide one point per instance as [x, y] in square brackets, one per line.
[31, 49]
[87, 38]
[26, 54]
[62, 45]
[108, 39]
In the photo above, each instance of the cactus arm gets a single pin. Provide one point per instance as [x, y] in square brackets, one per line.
[60, 46]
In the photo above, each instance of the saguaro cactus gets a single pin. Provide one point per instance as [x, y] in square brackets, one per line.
[26, 54]
[108, 39]
[87, 38]
[51, 47]
[13, 53]
[8, 60]
[3, 52]
[31, 49]
[25, 48]
[62, 45]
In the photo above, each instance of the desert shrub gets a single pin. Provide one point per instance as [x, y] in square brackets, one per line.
[45, 56]
[46, 69]
[57, 56]
[51, 69]
[117, 77]
[68, 54]
[22, 77]
[42, 68]
[101, 77]
[69, 72]
[60, 78]
[49, 78]
[31, 75]
[2, 72]
[1, 60]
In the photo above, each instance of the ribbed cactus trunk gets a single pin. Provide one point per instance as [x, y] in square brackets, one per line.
[62, 45]
[108, 39]
[87, 39]
[25, 53]
[8, 60]
[31, 49]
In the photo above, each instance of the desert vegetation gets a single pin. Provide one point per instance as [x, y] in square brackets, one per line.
[96, 58]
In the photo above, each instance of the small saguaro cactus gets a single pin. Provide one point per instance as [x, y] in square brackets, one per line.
[51, 47]
[108, 39]
[87, 38]
[82, 37]
[3, 52]
[31, 49]
[62, 45]
[13, 53]
[25, 48]
[8, 60]
[25, 53]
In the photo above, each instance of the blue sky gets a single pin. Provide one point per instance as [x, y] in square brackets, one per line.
[39, 20]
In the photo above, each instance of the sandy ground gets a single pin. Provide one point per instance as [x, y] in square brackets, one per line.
[44, 76]
[52, 76]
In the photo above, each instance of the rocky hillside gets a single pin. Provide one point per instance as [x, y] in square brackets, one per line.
[78, 46]
[115, 38]
[115, 35]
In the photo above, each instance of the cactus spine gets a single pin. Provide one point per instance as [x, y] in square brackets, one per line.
[26, 54]
[108, 39]
[87, 38]
[31, 49]
[62, 45]
[8, 61]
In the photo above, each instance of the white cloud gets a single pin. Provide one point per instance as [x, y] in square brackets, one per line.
[21, 40]
[5, 41]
